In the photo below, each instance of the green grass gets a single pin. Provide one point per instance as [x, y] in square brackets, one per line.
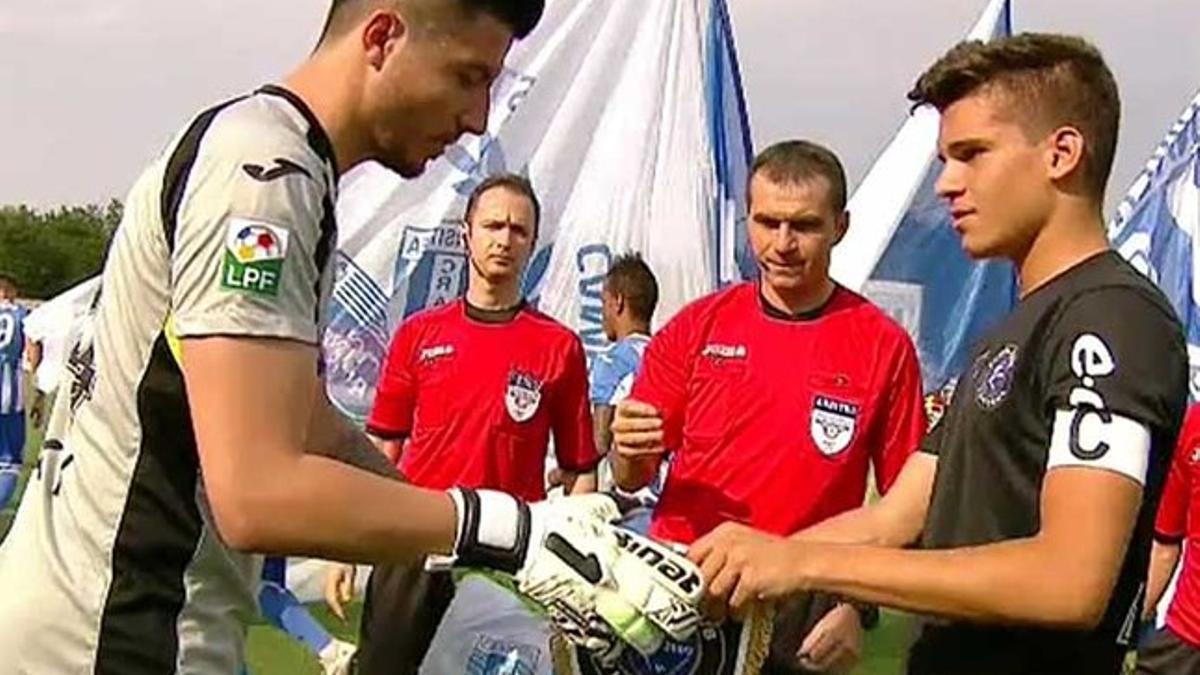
[271, 652]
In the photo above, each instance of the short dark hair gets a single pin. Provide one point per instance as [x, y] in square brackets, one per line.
[1051, 81]
[632, 279]
[8, 283]
[798, 161]
[522, 16]
[512, 182]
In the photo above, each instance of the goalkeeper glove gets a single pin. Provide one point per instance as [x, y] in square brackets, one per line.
[603, 587]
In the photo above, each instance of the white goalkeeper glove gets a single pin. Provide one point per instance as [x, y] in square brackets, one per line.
[596, 581]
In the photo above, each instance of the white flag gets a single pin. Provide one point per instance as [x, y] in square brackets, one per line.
[628, 118]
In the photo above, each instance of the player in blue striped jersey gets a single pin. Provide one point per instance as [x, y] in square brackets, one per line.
[12, 395]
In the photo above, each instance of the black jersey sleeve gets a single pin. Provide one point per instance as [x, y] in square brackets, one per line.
[1114, 371]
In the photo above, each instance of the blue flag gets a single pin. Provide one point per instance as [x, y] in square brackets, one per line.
[902, 252]
[1157, 223]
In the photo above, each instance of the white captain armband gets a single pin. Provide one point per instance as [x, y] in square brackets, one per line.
[1086, 436]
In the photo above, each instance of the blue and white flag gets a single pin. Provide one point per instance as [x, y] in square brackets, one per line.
[902, 252]
[1158, 222]
[627, 116]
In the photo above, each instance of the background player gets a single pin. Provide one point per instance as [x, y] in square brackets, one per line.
[628, 300]
[1036, 516]
[15, 352]
[779, 395]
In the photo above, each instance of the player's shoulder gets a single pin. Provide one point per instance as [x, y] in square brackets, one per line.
[868, 316]
[432, 316]
[633, 345]
[622, 354]
[732, 298]
[546, 325]
[268, 134]
[1110, 291]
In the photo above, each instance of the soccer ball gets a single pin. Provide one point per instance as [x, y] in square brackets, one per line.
[255, 242]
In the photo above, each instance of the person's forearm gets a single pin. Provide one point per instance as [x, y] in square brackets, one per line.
[354, 527]
[332, 435]
[602, 417]
[1163, 559]
[579, 483]
[868, 525]
[317, 507]
[634, 473]
[1018, 581]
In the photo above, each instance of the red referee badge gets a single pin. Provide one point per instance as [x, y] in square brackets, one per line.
[523, 396]
[832, 424]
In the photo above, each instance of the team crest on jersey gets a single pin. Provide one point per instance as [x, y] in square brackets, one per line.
[498, 656]
[832, 424]
[522, 396]
[994, 376]
[254, 255]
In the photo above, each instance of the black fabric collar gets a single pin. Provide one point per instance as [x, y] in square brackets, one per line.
[809, 315]
[317, 138]
[494, 316]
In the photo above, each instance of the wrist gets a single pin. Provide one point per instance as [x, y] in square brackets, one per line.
[810, 561]
[492, 529]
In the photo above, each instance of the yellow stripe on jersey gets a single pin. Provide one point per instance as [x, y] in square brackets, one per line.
[173, 340]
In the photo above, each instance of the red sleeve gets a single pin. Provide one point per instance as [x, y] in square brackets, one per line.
[574, 445]
[903, 422]
[1171, 524]
[663, 376]
[396, 392]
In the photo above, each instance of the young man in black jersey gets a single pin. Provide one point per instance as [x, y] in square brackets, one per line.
[1034, 498]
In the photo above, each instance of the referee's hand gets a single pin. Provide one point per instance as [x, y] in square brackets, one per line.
[637, 429]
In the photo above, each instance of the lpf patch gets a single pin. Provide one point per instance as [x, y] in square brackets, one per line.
[522, 396]
[254, 256]
[994, 376]
[832, 424]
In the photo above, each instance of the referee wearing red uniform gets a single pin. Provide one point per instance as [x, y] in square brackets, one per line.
[1175, 650]
[470, 394]
[779, 395]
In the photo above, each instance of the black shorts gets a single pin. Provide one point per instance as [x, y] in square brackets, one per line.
[794, 620]
[963, 649]
[403, 608]
[1164, 653]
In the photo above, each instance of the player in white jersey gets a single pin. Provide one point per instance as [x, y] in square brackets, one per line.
[194, 429]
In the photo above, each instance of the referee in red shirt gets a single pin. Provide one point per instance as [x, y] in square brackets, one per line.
[779, 395]
[470, 394]
[1175, 650]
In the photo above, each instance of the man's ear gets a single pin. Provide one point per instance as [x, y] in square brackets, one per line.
[840, 226]
[1065, 149]
[380, 32]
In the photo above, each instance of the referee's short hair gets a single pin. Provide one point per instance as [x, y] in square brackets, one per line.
[798, 161]
[1047, 80]
[632, 279]
[519, 15]
[513, 183]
